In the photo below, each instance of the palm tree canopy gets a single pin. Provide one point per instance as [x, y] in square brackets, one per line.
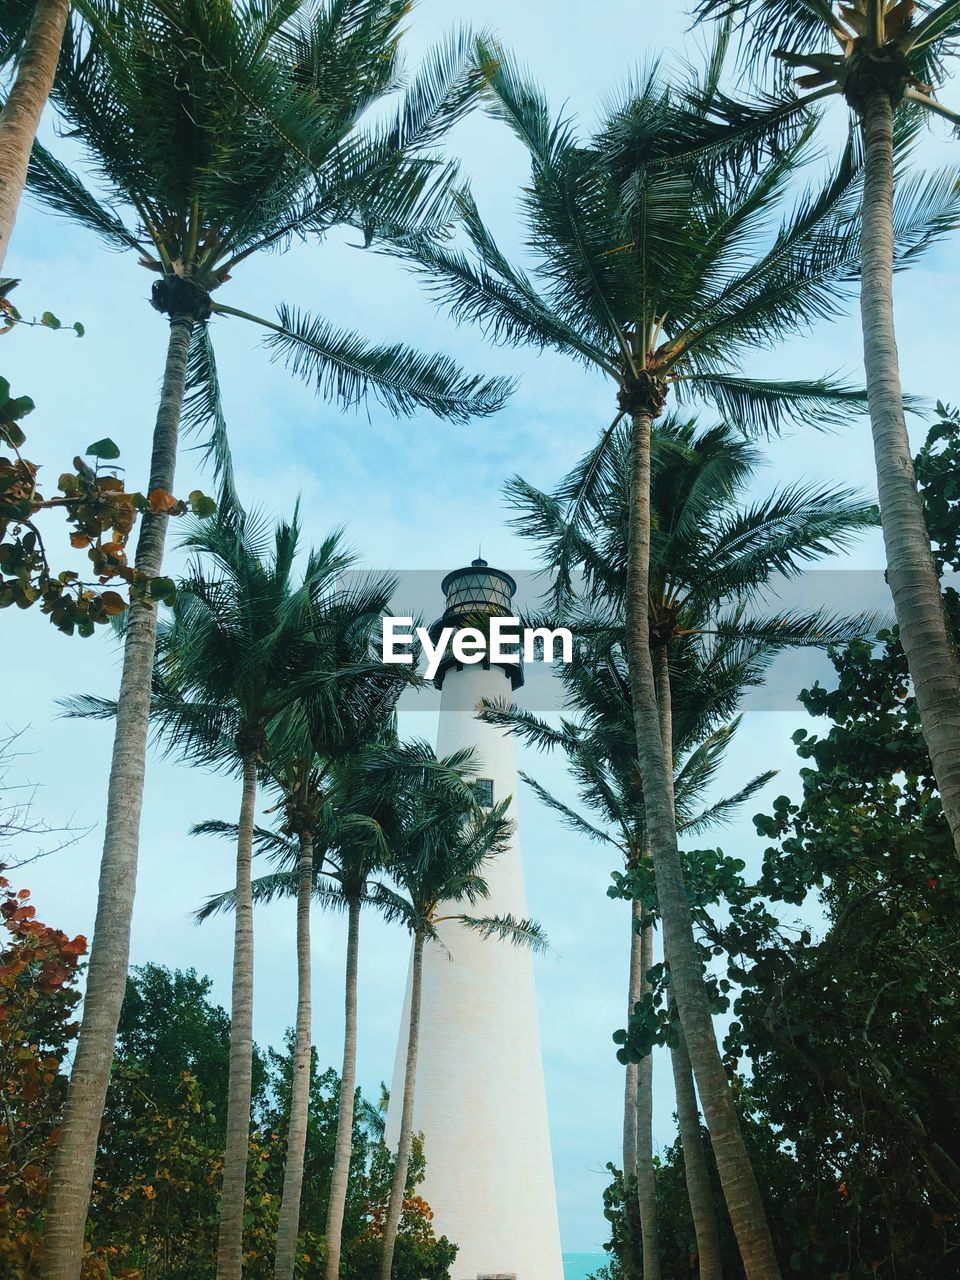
[441, 840]
[248, 650]
[399, 812]
[251, 658]
[712, 551]
[349, 844]
[855, 47]
[669, 274]
[232, 127]
[712, 556]
[217, 130]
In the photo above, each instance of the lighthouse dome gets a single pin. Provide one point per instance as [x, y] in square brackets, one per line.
[474, 595]
[478, 589]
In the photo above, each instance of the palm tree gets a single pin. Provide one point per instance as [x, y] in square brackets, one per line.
[359, 850]
[249, 659]
[301, 778]
[307, 765]
[348, 849]
[710, 551]
[30, 36]
[665, 282]
[604, 768]
[339, 848]
[440, 841]
[246, 657]
[884, 59]
[225, 130]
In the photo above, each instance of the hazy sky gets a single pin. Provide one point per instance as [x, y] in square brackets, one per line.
[415, 495]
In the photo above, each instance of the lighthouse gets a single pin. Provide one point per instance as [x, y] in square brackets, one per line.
[480, 1101]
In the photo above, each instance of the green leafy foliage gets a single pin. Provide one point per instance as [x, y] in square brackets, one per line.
[156, 1188]
[777, 1173]
[847, 1013]
[100, 514]
[38, 996]
[937, 468]
[156, 1192]
[227, 131]
[11, 316]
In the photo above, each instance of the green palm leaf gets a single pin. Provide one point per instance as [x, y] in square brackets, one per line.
[342, 365]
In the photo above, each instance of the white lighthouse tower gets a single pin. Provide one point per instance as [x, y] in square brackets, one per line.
[480, 1101]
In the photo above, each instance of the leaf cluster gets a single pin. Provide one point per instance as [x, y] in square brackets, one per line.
[100, 516]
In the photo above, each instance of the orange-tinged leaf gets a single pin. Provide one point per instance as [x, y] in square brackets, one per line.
[113, 603]
[159, 500]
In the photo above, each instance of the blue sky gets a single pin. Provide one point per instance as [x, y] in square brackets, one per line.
[415, 495]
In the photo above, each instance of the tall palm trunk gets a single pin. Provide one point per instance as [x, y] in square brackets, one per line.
[233, 1195]
[399, 1185]
[72, 1174]
[680, 950]
[931, 655]
[343, 1149]
[20, 117]
[646, 1182]
[630, 1079]
[699, 1190]
[631, 1098]
[288, 1227]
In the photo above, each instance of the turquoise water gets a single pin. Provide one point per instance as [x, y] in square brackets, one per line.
[577, 1266]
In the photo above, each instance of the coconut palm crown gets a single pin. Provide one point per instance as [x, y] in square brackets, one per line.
[712, 551]
[852, 48]
[656, 277]
[217, 131]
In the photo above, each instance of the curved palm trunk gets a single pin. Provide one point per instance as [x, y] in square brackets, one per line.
[699, 1190]
[21, 113]
[631, 1099]
[343, 1149]
[924, 634]
[399, 1184]
[646, 1181]
[288, 1227]
[631, 1076]
[233, 1195]
[680, 950]
[72, 1173]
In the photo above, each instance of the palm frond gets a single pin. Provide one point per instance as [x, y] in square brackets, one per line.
[795, 628]
[517, 100]
[507, 928]
[445, 87]
[767, 26]
[60, 189]
[490, 292]
[723, 811]
[524, 724]
[762, 407]
[343, 366]
[926, 208]
[575, 821]
[202, 412]
[87, 706]
[266, 840]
